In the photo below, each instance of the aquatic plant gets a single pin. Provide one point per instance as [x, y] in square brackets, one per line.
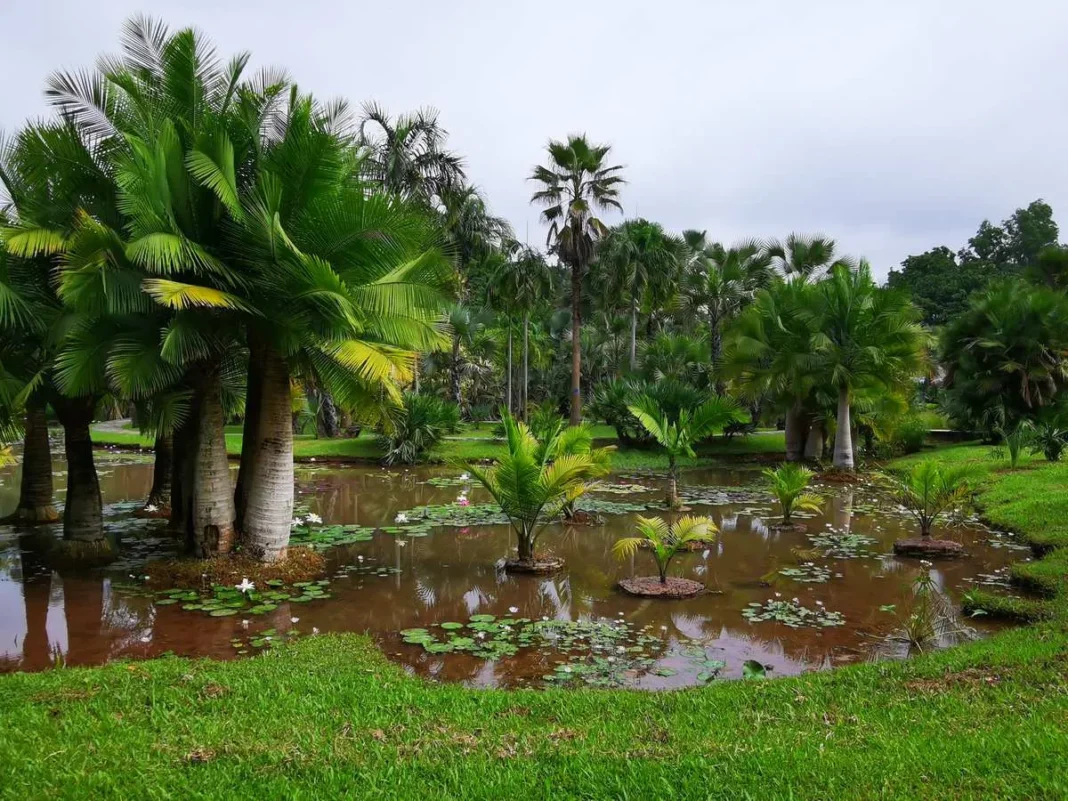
[929, 489]
[792, 613]
[666, 540]
[788, 483]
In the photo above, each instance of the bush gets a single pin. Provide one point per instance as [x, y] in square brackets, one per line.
[612, 399]
[910, 435]
[417, 427]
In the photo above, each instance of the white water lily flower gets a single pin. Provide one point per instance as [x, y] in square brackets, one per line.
[297, 521]
[778, 595]
[244, 624]
[663, 628]
[315, 630]
[567, 668]
[401, 518]
[314, 518]
[245, 585]
[402, 542]
[465, 476]
[359, 558]
[513, 609]
[151, 507]
[294, 620]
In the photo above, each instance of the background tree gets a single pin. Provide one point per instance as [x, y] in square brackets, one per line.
[577, 182]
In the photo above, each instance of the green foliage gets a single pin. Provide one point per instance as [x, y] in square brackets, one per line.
[417, 428]
[788, 483]
[929, 489]
[666, 540]
[1049, 439]
[1016, 439]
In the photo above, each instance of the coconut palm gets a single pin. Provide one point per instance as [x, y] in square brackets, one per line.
[577, 183]
[788, 483]
[521, 282]
[406, 154]
[929, 489]
[808, 257]
[720, 283]
[865, 336]
[640, 263]
[666, 540]
[533, 482]
[678, 434]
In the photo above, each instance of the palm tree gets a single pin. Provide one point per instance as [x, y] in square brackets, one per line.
[522, 281]
[788, 483]
[678, 434]
[721, 283]
[532, 483]
[577, 183]
[640, 264]
[866, 336]
[406, 156]
[807, 257]
[666, 540]
[929, 489]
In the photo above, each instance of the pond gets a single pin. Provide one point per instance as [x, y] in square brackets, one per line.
[573, 627]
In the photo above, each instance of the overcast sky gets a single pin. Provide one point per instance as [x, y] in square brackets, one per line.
[891, 126]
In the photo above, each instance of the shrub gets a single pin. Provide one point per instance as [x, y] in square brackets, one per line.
[788, 484]
[1049, 439]
[910, 435]
[612, 399]
[417, 427]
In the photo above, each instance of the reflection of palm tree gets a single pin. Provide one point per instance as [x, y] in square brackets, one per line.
[83, 611]
[36, 589]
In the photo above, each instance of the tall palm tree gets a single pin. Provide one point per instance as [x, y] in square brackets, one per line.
[577, 183]
[809, 257]
[721, 283]
[521, 282]
[406, 155]
[641, 264]
[865, 336]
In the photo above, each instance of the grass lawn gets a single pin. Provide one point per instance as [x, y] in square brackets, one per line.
[474, 443]
[330, 717]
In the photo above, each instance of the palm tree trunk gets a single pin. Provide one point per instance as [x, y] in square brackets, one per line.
[184, 441]
[35, 491]
[249, 440]
[83, 514]
[633, 334]
[454, 372]
[162, 471]
[795, 435]
[715, 339]
[214, 513]
[576, 345]
[673, 484]
[843, 437]
[327, 424]
[525, 549]
[510, 408]
[270, 502]
[526, 363]
[814, 443]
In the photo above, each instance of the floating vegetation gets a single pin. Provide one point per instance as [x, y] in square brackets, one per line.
[320, 537]
[808, 573]
[724, 496]
[999, 578]
[792, 614]
[224, 600]
[620, 489]
[842, 544]
[462, 480]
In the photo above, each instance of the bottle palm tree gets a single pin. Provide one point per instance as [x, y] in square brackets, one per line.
[721, 283]
[678, 434]
[641, 264]
[807, 257]
[533, 483]
[521, 282]
[577, 183]
[865, 335]
[788, 483]
[406, 155]
[666, 540]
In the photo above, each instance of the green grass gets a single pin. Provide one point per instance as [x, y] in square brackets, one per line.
[476, 443]
[330, 717]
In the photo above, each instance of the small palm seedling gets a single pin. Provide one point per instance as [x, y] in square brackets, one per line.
[927, 490]
[557, 441]
[533, 482]
[1016, 440]
[1049, 439]
[678, 435]
[666, 540]
[788, 484]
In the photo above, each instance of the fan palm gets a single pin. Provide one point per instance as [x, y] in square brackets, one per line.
[677, 435]
[807, 257]
[640, 264]
[666, 540]
[788, 483]
[577, 183]
[534, 481]
[865, 335]
[929, 489]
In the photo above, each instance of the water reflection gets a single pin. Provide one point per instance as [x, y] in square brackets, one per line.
[87, 618]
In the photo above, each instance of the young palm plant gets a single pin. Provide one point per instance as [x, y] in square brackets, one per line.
[533, 483]
[788, 483]
[677, 434]
[927, 490]
[666, 540]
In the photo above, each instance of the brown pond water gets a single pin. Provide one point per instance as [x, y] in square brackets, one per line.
[395, 582]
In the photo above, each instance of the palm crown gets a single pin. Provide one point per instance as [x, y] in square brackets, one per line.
[666, 540]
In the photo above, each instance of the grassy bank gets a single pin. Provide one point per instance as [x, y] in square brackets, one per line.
[330, 717]
[475, 443]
